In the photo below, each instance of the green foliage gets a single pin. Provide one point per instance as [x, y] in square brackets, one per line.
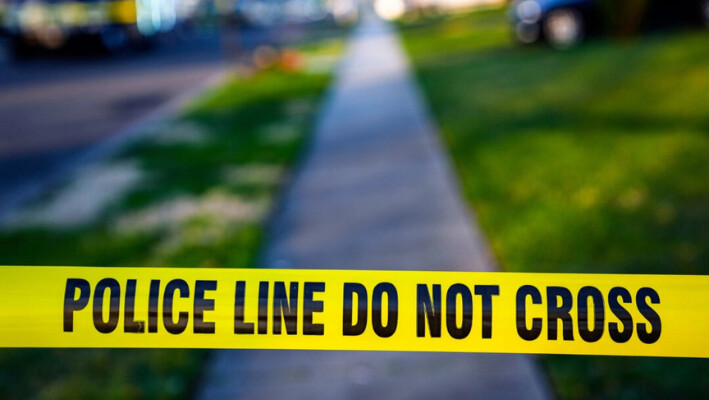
[592, 160]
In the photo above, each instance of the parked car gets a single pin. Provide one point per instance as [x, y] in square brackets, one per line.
[111, 24]
[564, 23]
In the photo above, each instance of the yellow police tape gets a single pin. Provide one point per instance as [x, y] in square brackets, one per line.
[643, 315]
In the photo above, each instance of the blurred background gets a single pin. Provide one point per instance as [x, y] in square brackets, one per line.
[159, 133]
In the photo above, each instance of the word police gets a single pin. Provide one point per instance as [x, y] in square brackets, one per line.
[292, 308]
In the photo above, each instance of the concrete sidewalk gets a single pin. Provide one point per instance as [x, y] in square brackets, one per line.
[375, 191]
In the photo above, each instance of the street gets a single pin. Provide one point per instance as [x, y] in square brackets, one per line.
[54, 109]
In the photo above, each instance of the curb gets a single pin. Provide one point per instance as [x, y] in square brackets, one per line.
[104, 148]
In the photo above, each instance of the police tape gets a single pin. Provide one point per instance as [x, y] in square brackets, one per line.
[639, 315]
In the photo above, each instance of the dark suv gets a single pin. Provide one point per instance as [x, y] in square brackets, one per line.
[564, 23]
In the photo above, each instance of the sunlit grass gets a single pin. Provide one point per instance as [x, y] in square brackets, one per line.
[591, 160]
[248, 123]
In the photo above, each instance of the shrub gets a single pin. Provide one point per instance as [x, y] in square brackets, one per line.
[623, 18]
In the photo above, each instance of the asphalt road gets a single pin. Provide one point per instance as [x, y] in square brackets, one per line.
[55, 109]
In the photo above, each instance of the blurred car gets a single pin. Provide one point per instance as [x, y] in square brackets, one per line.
[112, 24]
[268, 13]
[564, 23]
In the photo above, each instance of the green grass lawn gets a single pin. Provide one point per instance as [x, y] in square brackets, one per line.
[590, 160]
[207, 180]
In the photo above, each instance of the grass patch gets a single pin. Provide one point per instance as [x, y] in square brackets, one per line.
[591, 160]
[190, 209]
